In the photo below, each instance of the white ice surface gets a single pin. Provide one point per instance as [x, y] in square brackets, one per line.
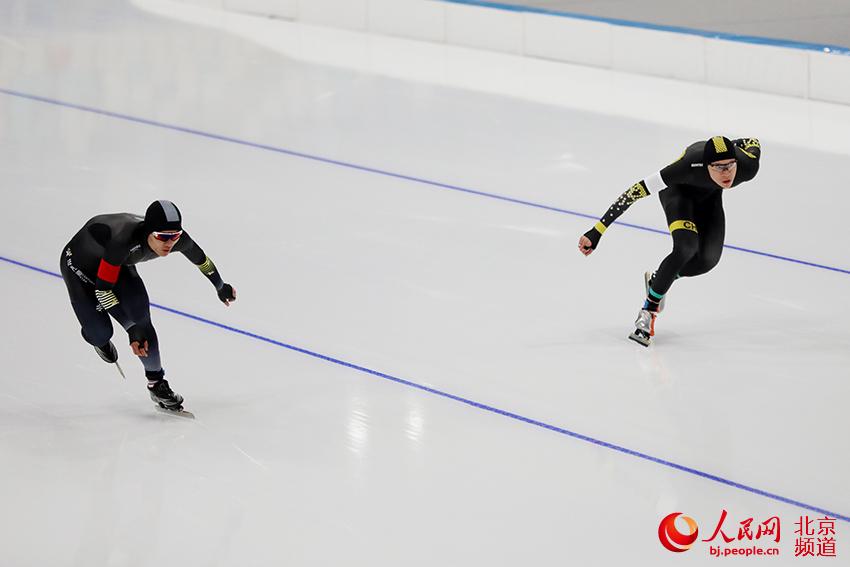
[298, 460]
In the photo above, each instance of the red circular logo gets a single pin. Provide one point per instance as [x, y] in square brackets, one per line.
[672, 538]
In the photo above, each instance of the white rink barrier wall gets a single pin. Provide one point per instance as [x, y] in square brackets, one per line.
[785, 68]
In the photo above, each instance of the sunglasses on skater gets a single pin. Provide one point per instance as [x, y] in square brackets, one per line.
[723, 166]
[166, 236]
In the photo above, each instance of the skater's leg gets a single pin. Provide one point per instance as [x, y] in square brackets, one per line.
[679, 210]
[133, 313]
[685, 248]
[144, 332]
[712, 222]
[135, 317]
[95, 326]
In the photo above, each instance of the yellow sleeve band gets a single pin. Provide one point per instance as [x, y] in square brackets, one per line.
[600, 228]
[207, 268]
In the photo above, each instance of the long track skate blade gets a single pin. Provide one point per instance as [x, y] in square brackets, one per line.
[176, 413]
[640, 339]
[120, 371]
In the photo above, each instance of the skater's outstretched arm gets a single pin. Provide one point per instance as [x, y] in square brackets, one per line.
[590, 239]
[196, 255]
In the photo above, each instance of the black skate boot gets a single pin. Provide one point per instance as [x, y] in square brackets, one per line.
[163, 396]
[107, 353]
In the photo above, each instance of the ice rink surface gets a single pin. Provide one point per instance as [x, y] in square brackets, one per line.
[420, 369]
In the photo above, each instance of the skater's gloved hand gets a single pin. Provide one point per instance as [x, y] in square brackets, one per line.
[138, 341]
[588, 241]
[227, 294]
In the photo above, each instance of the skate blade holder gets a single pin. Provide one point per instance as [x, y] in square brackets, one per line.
[640, 338]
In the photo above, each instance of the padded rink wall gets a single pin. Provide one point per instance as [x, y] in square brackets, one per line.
[772, 66]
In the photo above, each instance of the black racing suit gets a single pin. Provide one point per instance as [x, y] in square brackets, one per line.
[693, 205]
[99, 269]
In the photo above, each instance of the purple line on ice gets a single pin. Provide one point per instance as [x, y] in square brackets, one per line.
[484, 407]
[376, 171]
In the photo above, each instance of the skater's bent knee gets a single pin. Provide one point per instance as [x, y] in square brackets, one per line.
[704, 265]
[97, 336]
[684, 251]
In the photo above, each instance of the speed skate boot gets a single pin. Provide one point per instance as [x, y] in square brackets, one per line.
[647, 279]
[644, 327]
[162, 395]
[107, 353]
